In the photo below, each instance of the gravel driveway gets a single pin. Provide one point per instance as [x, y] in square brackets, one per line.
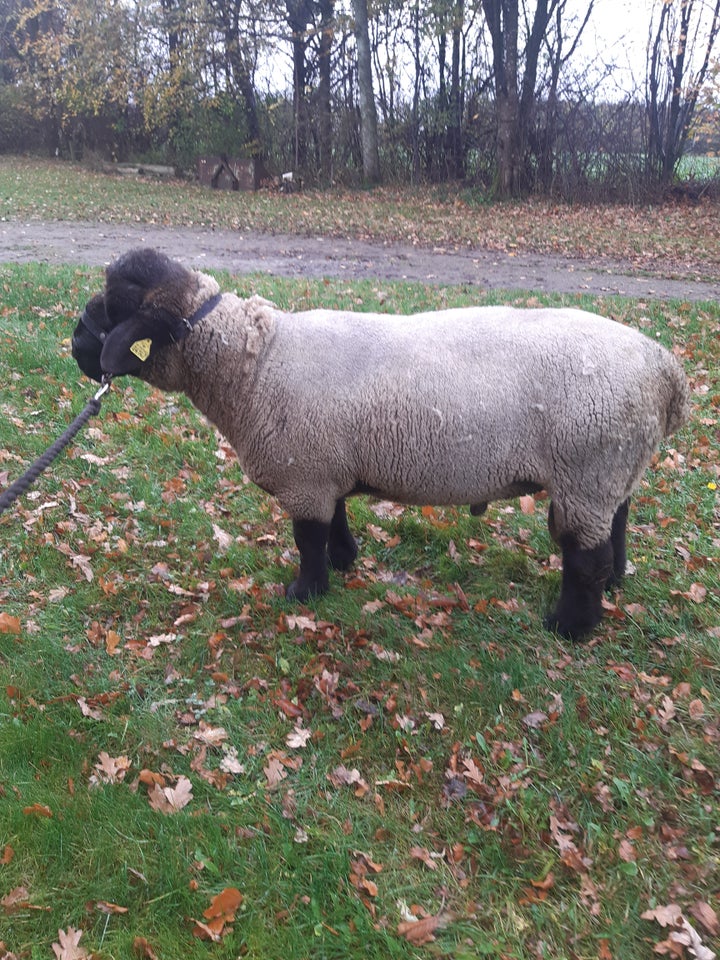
[96, 244]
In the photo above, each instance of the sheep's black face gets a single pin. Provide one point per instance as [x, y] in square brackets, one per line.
[89, 336]
[137, 315]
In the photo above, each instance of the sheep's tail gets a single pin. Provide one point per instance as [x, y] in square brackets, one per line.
[677, 397]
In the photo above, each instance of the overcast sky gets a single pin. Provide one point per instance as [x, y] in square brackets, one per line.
[618, 33]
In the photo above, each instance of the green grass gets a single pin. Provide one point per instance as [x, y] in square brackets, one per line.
[624, 765]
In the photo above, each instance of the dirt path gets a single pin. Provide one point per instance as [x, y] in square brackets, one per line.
[298, 256]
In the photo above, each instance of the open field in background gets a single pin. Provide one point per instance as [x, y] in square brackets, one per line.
[674, 239]
[410, 767]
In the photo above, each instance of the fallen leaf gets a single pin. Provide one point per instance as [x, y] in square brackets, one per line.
[419, 932]
[707, 917]
[112, 642]
[142, 949]
[83, 564]
[667, 916]
[274, 771]
[230, 762]
[224, 905]
[298, 737]
[87, 710]
[437, 720]
[342, 777]
[422, 853]
[102, 906]
[218, 915]
[109, 769]
[223, 539]
[69, 946]
[9, 624]
[170, 799]
[37, 810]
[17, 899]
[211, 736]
[535, 720]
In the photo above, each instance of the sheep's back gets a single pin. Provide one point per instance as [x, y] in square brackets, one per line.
[462, 405]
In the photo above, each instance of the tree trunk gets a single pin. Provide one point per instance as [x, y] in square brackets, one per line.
[455, 144]
[298, 19]
[368, 111]
[502, 19]
[327, 20]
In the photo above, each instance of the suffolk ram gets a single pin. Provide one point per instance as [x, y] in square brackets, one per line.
[460, 406]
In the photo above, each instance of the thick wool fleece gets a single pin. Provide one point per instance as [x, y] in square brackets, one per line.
[460, 406]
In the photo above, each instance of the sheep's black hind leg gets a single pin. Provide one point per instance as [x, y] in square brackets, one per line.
[585, 573]
[342, 548]
[311, 537]
[617, 539]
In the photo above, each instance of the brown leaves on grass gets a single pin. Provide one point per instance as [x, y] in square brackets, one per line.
[169, 800]
[219, 916]
[362, 869]
[682, 934]
[69, 947]
[420, 931]
[9, 623]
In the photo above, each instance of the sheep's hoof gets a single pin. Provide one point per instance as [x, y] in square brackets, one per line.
[614, 582]
[575, 632]
[341, 556]
[301, 590]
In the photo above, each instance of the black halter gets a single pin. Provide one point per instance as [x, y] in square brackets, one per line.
[182, 328]
[92, 328]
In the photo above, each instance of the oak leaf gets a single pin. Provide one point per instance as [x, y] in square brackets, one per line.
[109, 769]
[298, 737]
[69, 946]
[170, 800]
[218, 915]
[17, 899]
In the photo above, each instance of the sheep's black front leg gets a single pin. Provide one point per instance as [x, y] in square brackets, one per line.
[617, 539]
[311, 537]
[342, 548]
[585, 573]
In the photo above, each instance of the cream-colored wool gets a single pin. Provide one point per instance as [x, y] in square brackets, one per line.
[459, 406]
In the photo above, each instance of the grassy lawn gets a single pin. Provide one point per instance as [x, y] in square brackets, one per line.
[410, 767]
[672, 239]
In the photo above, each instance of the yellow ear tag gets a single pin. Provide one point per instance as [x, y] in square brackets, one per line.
[141, 349]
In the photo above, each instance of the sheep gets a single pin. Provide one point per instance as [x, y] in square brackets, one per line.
[458, 406]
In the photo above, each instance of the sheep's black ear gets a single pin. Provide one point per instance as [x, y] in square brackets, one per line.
[126, 348]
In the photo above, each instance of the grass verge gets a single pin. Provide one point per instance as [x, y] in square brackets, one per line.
[673, 239]
[409, 767]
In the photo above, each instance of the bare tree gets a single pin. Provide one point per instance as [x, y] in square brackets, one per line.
[368, 110]
[517, 31]
[681, 44]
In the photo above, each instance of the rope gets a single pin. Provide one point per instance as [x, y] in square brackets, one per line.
[17, 489]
